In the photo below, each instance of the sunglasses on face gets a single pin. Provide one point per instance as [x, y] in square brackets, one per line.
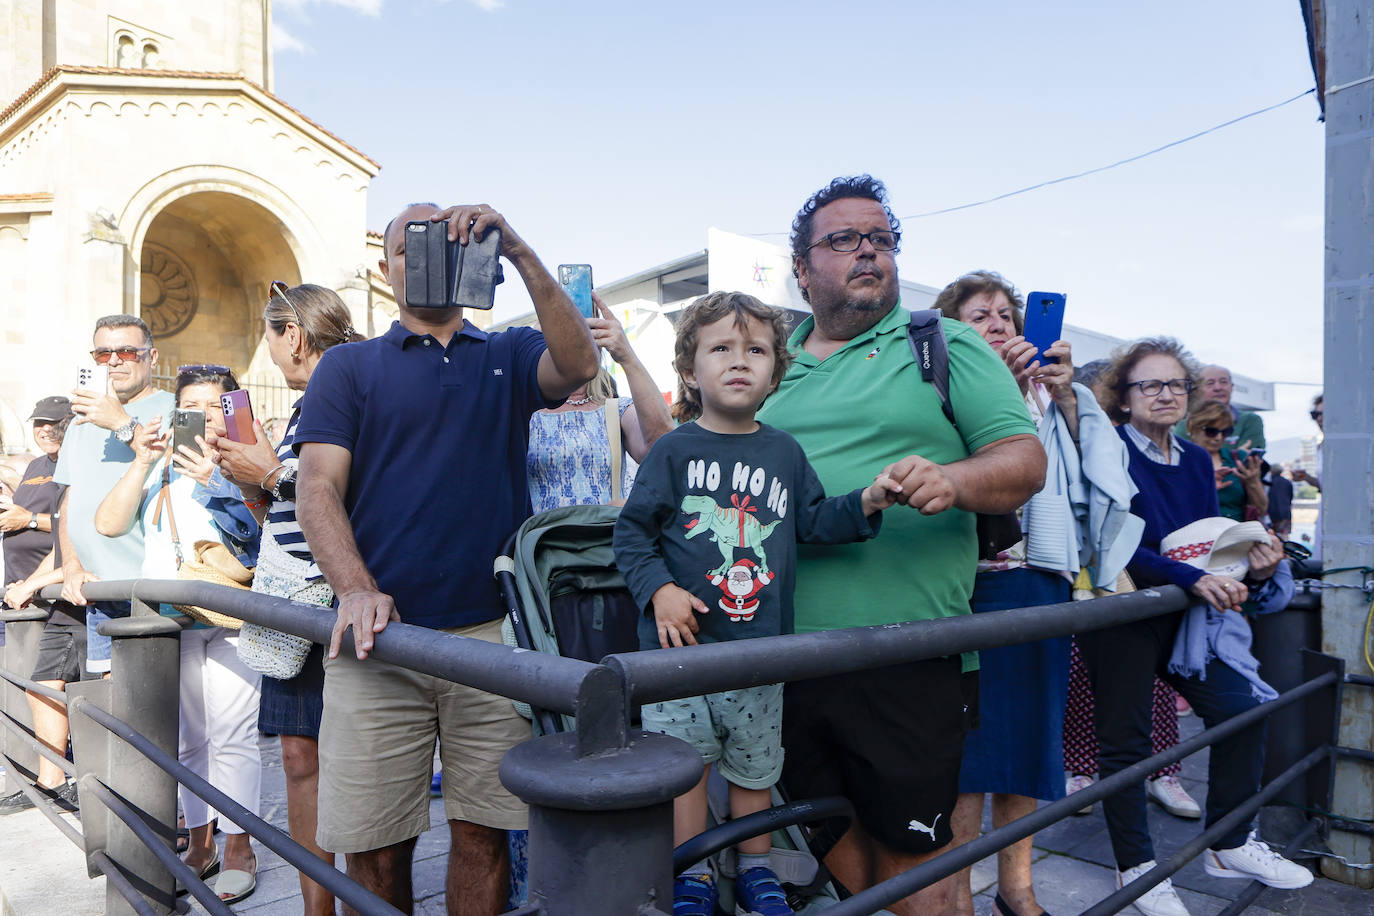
[102, 355]
[1215, 431]
[1315, 414]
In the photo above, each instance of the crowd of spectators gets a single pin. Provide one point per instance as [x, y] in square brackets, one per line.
[1120, 477]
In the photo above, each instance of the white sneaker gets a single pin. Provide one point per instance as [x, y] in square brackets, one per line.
[1169, 794]
[1257, 862]
[1160, 900]
[1076, 784]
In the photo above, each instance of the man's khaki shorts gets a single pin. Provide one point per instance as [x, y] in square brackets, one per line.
[377, 749]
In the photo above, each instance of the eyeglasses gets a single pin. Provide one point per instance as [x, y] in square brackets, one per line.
[279, 288]
[203, 369]
[1214, 431]
[102, 355]
[1315, 414]
[1151, 387]
[847, 240]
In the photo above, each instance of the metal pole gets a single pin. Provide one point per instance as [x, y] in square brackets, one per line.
[601, 812]
[22, 631]
[145, 662]
[1346, 36]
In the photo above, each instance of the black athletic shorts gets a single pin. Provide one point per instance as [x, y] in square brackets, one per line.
[890, 740]
[61, 651]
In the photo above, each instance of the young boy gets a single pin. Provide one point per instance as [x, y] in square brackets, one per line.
[707, 544]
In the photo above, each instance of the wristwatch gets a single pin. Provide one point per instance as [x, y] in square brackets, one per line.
[284, 487]
[125, 433]
[33, 520]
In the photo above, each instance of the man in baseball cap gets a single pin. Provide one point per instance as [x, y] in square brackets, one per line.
[30, 564]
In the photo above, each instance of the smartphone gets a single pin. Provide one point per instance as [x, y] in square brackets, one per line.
[1044, 322]
[90, 377]
[186, 425]
[238, 415]
[442, 274]
[576, 279]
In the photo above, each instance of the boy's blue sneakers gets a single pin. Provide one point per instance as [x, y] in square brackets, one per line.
[695, 895]
[758, 893]
[436, 786]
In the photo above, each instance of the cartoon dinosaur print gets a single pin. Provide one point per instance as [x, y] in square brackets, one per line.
[729, 527]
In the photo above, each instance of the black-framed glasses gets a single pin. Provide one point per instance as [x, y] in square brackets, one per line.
[1216, 431]
[279, 288]
[847, 240]
[203, 369]
[1151, 387]
[102, 355]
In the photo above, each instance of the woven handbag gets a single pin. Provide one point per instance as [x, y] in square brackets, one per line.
[263, 649]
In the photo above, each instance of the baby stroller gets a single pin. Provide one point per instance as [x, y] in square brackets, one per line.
[565, 596]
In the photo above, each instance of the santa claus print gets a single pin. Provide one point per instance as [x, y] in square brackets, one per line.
[740, 586]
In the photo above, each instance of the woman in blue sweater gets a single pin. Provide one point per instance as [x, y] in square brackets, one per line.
[1145, 390]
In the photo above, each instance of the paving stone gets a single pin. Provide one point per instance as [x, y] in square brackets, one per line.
[1073, 866]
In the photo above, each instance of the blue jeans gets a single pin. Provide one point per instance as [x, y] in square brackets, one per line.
[1122, 663]
[98, 646]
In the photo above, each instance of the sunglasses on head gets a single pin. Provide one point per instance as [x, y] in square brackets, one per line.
[1217, 431]
[203, 369]
[278, 288]
[102, 355]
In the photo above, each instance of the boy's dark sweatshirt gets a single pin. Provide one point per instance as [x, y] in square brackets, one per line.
[720, 515]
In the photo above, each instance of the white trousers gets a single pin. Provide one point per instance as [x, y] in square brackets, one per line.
[219, 723]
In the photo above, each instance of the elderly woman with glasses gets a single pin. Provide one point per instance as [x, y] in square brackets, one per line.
[179, 499]
[1146, 389]
[1239, 489]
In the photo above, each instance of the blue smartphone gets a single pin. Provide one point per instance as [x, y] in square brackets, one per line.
[1044, 322]
[576, 280]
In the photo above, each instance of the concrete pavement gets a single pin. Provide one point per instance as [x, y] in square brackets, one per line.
[41, 873]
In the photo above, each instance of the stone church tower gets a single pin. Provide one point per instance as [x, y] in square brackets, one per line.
[147, 168]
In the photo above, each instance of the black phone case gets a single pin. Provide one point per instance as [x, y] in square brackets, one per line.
[481, 271]
[443, 274]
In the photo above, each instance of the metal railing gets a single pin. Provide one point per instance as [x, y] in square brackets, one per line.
[600, 798]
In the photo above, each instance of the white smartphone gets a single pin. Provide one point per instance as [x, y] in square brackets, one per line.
[91, 377]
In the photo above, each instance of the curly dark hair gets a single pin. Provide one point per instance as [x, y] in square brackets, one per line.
[708, 310]
[1111, 384]
[863, 186]
[977, 282]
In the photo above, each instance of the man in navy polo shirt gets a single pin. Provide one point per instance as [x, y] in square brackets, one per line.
[412, 474]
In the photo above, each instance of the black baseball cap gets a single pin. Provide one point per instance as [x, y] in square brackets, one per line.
[54, 409]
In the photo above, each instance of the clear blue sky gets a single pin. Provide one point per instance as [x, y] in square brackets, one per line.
[615, 133]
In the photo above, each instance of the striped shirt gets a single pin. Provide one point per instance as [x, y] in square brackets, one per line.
[281, 514]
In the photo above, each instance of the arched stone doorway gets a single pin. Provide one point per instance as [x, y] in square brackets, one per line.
[205, 269]
[205, 265]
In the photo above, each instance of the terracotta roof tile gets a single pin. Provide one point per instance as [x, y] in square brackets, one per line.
[169, 74]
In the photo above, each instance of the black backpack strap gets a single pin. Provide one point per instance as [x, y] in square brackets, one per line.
[927, 338]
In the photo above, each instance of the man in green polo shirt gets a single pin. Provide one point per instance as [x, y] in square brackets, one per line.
[890, 739]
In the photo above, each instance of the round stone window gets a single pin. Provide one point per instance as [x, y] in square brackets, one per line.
[167, 291]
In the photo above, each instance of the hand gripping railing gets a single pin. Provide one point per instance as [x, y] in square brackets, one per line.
[600, 799]
[135, 839]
